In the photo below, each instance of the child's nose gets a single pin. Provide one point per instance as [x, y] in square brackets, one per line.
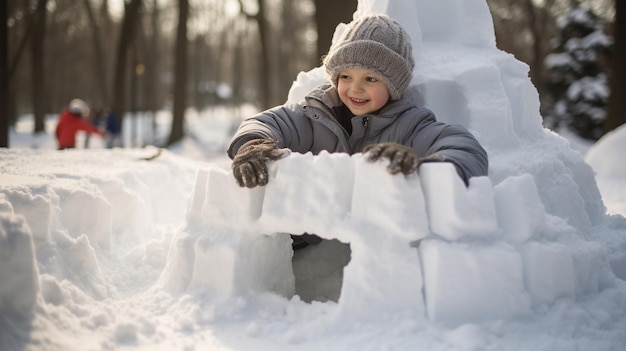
[358, 86]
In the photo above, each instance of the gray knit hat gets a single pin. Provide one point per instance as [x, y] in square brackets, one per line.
[378, 44]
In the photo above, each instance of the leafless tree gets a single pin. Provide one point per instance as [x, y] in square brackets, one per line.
[99, 68]
[131, 16]
[180, 78]
[23, 21]
[265, 71]
[4, 72]
[37, 60]
[152, 59]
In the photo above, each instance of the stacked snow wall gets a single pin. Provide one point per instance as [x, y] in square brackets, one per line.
[421, 245]
[239, 246]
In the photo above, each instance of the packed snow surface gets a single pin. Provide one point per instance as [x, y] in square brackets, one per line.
[149, 249]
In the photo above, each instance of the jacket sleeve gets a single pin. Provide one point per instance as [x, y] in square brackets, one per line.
[441, 142]
[286, 124]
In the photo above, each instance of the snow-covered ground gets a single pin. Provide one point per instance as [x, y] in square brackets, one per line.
[114, 249]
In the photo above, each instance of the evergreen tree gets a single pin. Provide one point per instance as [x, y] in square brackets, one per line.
[577, 75]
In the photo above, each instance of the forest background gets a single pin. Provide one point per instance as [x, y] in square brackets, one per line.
[148, 55]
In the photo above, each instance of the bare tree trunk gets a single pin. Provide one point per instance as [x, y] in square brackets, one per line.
[38, 78]
[199, 63]
[99, 67]
[180, 79]
[287, 54]
[537, 59]
[266, 71]
[238, 81]
[131, 16]
[20, 48]
[617, 103]
[4, 72]
[328, 14]
[152, 60]
[537, 24]
[265, 86]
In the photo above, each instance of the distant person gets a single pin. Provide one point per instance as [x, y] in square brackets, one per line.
[113, 129]
[71, 121]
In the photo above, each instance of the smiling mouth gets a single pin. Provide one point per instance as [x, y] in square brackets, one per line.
[358, 101]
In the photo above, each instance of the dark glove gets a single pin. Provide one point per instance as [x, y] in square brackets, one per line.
[401, 158]
[249, 164]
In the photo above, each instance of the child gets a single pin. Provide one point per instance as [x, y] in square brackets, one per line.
[362, 110]
[71, 120]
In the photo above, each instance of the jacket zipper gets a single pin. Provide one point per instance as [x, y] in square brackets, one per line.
[366, 125]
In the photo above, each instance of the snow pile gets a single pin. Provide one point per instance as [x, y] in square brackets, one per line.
[602, 158]
[103, 249]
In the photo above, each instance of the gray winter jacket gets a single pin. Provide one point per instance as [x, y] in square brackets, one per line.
[311, 126]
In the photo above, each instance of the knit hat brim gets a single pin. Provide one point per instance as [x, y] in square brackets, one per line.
[373, 56]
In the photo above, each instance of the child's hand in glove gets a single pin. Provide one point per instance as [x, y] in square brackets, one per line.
[250, 162]
[401, 158]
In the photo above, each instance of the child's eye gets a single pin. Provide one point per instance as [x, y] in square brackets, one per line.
[371, 79]
[344, 76]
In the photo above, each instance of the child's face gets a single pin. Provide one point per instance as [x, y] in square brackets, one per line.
[361, 91]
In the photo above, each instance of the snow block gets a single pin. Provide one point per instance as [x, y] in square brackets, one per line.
[455, 211]
[395, 202]
[548, 271]
[291, 198]
[489, 106]
[19, 284]
[218, 198]
[230, 264]
[466, 22]
[383, 278]
[465, 283]
[520, 211]
[222, 263]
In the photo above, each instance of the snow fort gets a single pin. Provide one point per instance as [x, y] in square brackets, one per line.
[101, 249]
[424, 244]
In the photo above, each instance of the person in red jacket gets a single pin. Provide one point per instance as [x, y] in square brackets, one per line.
[71, 120]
